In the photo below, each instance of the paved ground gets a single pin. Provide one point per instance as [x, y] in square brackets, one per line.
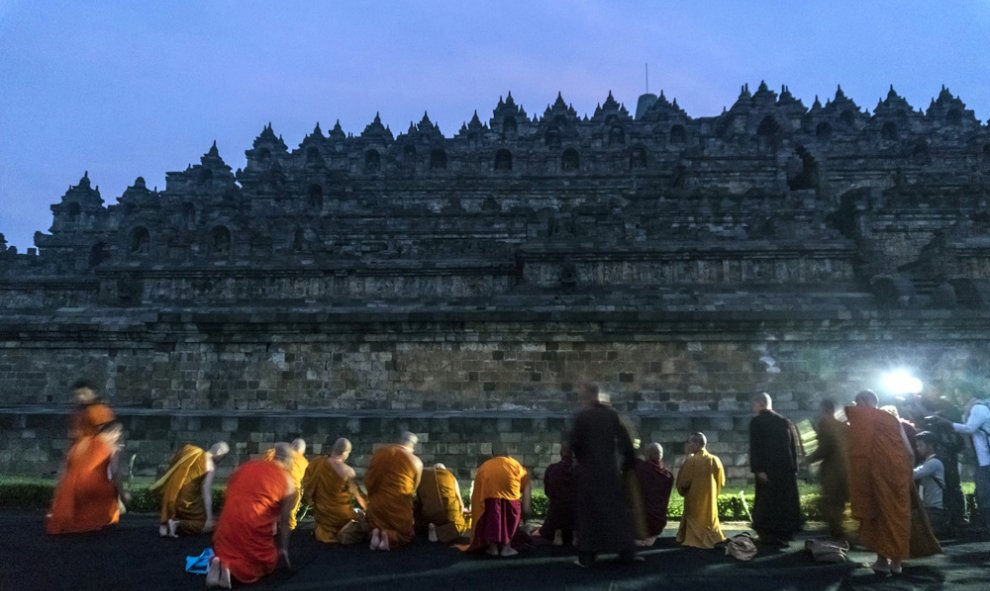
[131, 556]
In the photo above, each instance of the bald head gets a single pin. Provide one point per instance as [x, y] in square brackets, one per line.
[284, 453]
[698, 439]
[654, 452]
[589, 393]
[219, 450]
[299, 445]
[867, 398]
[761, 402]
[341, 448]
[408, 439]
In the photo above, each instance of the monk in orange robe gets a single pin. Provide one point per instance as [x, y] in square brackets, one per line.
[187, 490]
[501, 495]
[90, 413]
[87, 496]
[392, 479]
[252, 535]
[700, 480]
[439, 508]
[330, 486]
[297, 469]
[881, 482]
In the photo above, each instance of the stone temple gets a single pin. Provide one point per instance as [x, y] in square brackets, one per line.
[464, 286]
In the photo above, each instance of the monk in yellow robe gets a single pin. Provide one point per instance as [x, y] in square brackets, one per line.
[501, 495]
[90, 413]
[881, 483]
[252, 534]
[392, 478]
[330, 486]
[297, 469]
[87, 496]
[700, 480]
[439, 508]
[186, 489]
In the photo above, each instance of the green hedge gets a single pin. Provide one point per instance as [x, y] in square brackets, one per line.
[35, 493]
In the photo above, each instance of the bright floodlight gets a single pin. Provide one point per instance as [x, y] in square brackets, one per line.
[901, 382]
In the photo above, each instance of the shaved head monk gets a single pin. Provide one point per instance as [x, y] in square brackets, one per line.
[90, 412]
[501, 496]
[87, 496]
[392, 479]
[187, 490]
[881, 484]
[260, 497]
[439, 508]
[700, 480]
[330, 486]
[655, 484]
[297, 469]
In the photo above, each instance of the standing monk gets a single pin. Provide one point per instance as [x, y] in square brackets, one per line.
[700, 480]
[560, 486]
[604, 520]
[87, 496]
[773, 458]
[655, 483]
[90, 413]
[297, 469]
[881, 485]
[187, 490]
[330, 486]
[252, 534]
[392, 479]
[439, 508]
[833, 474]
[501, 496]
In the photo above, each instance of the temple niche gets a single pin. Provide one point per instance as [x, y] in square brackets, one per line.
[664, 255]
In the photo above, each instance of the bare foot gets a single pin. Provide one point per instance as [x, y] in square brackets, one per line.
[224, 577]
[376, 539]
[163, 531]
[492, 550]
[173, 528]
[383, 544]
[213, 574]
[432, 536]
[508, 551]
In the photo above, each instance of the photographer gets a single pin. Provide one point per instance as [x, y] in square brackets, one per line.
[976, 424]
[936, 414]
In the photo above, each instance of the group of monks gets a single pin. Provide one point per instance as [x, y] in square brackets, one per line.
[596, 503]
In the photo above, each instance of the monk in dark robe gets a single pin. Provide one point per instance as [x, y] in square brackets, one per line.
[330, 486]
[439, 510]
[881, 487]
[252, 535]
[560, 486]
[604, 520]
[833, 474]
[655, 483]
[90, 412]
[500, 497]
[392, 479]
[773, 458]
[87, 496]
[187, 490]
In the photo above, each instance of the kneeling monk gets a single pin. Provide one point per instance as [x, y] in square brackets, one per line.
[501, 495]
[439, 509]
[253, 531]
[297, 469]
[392, 479]
[87, 496]
[187, 490]
[330, 487]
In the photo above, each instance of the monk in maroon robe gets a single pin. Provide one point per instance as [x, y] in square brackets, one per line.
[655, 484]
[560, 485]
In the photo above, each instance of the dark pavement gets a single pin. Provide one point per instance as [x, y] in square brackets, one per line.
[132, 556]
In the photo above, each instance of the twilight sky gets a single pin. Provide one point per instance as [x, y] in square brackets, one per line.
[127, 89]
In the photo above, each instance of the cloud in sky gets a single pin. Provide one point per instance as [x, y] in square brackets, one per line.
[124, 89]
